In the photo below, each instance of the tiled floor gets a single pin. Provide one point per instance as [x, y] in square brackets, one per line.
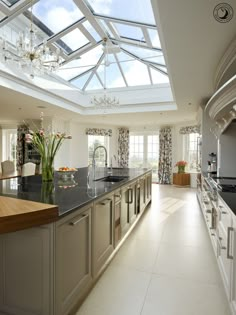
[165, 267]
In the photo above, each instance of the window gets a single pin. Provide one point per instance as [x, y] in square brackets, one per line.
[144, 151]
[93, 142]
[9, 143]
[190, 147]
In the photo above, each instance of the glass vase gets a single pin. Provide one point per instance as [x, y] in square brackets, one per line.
[181, 169]
[47, 169]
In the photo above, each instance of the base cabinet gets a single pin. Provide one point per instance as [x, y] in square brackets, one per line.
[26, 272]
[103, 240]
[73, 260]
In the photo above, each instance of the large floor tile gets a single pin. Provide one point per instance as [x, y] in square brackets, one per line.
[188, 262]
[120, 290]
[138, 254]
[172, 296]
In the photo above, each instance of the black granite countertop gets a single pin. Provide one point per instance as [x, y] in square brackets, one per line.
[68, 194]
[230, 199]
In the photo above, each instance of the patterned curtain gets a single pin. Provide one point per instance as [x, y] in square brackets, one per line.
[21, 131]
[189, 129]
[165, 155]
[98, 132]
[123, 147]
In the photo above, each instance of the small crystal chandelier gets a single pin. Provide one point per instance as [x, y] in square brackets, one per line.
[104, 101]
[28, 54]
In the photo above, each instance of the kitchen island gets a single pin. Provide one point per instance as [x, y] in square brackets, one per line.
[49, 267]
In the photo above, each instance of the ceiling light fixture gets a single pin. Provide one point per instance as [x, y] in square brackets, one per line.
[28, 54]
[105, 101]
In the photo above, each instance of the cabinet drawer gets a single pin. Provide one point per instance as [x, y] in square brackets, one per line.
[117, 196]
[225, 219]
[224, 260]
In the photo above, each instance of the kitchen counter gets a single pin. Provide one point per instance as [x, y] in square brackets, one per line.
[52, 200]
[230, 199]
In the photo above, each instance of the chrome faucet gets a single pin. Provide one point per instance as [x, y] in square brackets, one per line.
[93, 161]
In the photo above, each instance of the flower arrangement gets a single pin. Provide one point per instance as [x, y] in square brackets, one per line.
[47, 144]
[181, 163]
[181, 166]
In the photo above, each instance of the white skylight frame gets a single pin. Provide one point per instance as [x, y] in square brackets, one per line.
[97, 22]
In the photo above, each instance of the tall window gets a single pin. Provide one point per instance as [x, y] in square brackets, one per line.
[191, 150]
[93, 142]
[9, 142]
[144, 151]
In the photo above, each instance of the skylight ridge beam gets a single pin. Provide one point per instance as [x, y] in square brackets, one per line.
[112, 29]
[150, 75]
[121, 70]
[146, 36]
[124, 21]
[84, 8]
[93, 71]
[86, 33]
[143, 61]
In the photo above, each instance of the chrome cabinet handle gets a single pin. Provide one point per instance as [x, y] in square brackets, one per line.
[105, 201]
[229, 229]
[118, 196]
[84, 216]
[221, 246]
[130, 201]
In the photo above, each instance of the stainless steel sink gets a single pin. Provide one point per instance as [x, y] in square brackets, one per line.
[112, 178]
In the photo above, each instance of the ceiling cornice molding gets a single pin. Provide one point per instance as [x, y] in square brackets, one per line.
[225, 63]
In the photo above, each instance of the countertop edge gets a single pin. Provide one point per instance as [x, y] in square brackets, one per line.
[18, 214]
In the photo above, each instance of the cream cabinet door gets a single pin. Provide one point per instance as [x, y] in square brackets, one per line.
[73, 260]
[26, 277]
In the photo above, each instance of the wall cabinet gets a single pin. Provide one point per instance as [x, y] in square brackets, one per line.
[103, 228]
[73, 259]
[26, 277]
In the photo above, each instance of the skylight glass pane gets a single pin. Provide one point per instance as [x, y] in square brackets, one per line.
[159, 59]
[158, 77]
[57, 14]
[80, 82]
[74, 40]
[134, 10]
[70, 72]
[124, 57]
[141, 52]
[129, 31]
[91, 30]
[154, 38]
[94, 84]
[114, 78]
[10, 3]
[106, 28]
[136, 73]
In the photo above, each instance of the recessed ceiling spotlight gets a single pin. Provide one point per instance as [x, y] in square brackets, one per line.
[189, 104]
[161, 113]
[19, 108]
[41, 106]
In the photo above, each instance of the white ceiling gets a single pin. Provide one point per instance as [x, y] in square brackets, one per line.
[193, 43]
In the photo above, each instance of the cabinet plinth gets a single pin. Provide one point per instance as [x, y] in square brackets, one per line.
[181, 179]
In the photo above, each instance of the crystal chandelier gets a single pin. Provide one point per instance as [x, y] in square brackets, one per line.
[104, 101]
[28, 54]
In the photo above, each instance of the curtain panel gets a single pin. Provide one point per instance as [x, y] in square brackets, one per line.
[98, 132]
[123, 147]
[189, 129]
[165, 155]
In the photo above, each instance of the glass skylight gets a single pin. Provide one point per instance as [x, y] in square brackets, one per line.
[133, 10]
[133, 44]
[129, 31]
[10, 3]
[57, 14]
[74, 40]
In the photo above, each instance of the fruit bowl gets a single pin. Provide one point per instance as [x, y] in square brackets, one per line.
[66, 172]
